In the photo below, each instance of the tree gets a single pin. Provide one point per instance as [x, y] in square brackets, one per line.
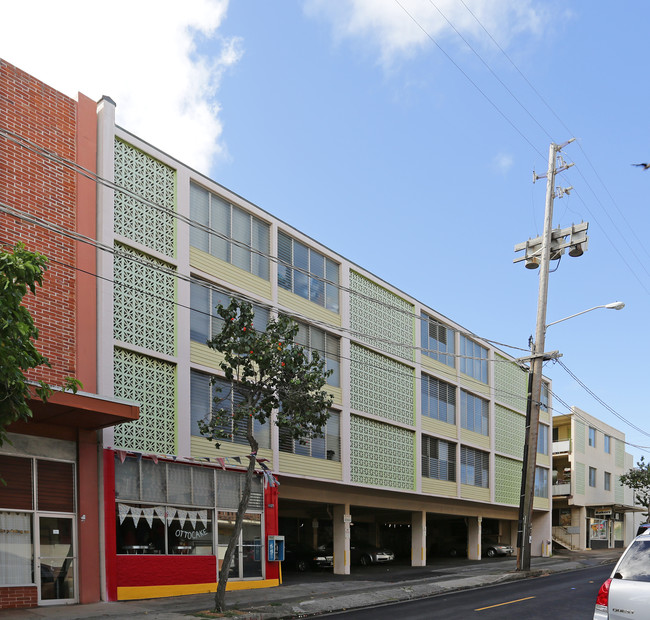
[20, 271]
[273, 376]
[638, 479]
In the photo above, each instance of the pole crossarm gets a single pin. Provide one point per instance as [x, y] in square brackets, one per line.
[545, 357]
[561, 238]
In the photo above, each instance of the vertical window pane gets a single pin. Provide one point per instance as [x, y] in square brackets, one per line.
[317, 283]
[285, 257]
[127, 479]
[179, 484]
[16, 492]
[16, 553]
[200, 400]
[332, 286]
[301, 262]
[154, 487]
[333, 437]
[241, 234]
[55, 486]
[260, 243]
[199, 213]
[220, 224]
[199, 313]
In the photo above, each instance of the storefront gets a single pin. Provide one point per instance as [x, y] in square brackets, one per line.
[168, 524]
[605, 528]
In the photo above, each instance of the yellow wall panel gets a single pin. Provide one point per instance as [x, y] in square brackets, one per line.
[308, 466]
[475, 439]
[438, 428]
[307, 308]
[439, 487]
[467, 491]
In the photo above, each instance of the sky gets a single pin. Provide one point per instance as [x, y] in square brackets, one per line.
[403, 135]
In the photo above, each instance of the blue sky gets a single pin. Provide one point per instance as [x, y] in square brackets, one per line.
[372, 126]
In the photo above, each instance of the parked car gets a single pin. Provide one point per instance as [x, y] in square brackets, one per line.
[626, 594]
[492, 550]
[302, 557]
[643, 528]
[364, 554]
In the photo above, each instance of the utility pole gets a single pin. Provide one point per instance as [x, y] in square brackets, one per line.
[539, 253]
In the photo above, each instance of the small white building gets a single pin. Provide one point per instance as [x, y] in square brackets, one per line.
[591, 508]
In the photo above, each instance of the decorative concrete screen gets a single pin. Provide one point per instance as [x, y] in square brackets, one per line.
[580, 478]
[510, 428]
[380, 318]
[143, 301]
[579, 439]
[144, 209]
[507, 480]
[510, 384]
[381, 386]
[151, 383]
[381, 454]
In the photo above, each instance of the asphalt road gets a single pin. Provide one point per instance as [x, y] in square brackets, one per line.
[561, 595]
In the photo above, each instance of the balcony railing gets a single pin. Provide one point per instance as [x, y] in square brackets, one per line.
[561, 447]
[562, 489]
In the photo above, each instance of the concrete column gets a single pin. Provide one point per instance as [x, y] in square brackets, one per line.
[474, 526]
[419, 538]
[541, 531]
[341, 525]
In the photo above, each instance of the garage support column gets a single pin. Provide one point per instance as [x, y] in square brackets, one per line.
[341, 522]
[419, 538]
[474, 526]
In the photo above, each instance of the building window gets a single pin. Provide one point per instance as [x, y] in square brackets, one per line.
[592, 476]
[607, 444]
[327, 447]
[474, 412]
[438, 459]
[543, 405]
[592, 437]
[202, 395]
[542, 439]
[328, 348]
[307, 273]
[438, 399]
[228, 232]
[541, 482]
[437, 341]
[556, 433]
[474, 467]
[473, 359]
[204, 320]
[608, 481]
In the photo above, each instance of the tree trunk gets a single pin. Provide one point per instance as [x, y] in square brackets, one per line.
[220, 596]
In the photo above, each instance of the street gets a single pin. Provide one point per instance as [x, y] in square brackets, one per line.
[562, 595]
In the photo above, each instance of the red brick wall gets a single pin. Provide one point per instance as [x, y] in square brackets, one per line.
[15, 597]
[47, 189]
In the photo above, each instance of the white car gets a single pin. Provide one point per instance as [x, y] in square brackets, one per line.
[626, 594]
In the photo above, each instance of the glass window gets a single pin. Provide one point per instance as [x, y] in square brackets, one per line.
[473, 359]
[228, 232]
[248, 556]
[542, 439]
[608, 444]
[328, 348]
[307, 273]
[544, 397]
[205, 322]
[16, 546]
[437, 341]
[438, 459]
[592, 476]
[592, 437]
[17, 492]
[327, 447]
[634, 563]
[202, 401]
[438, 399]
[608, 481]
[541, 482]
[474, 467]
[474, 413]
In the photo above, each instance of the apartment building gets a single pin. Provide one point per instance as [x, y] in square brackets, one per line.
[426, 432]
[591, 508]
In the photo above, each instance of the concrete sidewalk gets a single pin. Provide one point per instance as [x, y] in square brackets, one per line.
[316, 593]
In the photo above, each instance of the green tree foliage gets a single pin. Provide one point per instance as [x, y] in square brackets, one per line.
[274, 379]
[20, 272]
[638, 479]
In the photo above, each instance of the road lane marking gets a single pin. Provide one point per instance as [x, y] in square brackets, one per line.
[507, 603]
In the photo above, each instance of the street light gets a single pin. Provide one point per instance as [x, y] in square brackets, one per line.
[615, 305]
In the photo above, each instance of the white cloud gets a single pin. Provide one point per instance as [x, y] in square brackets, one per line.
[386, 27]
[503, 162]
[143, 54]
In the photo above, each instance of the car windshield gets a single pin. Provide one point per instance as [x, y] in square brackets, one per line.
[635, 565]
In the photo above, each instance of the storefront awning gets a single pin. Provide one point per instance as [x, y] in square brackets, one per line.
[83, 410]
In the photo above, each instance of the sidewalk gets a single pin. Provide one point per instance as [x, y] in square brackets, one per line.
[315, 593]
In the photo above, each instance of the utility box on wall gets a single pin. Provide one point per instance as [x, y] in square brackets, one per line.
[275, 550]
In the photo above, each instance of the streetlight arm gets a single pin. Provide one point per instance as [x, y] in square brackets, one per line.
[617, 305]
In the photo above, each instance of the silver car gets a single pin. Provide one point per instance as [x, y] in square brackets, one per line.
[626, 594]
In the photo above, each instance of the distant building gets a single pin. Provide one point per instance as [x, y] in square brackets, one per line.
[591, 508]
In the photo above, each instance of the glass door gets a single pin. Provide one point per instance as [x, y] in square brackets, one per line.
[56, 560]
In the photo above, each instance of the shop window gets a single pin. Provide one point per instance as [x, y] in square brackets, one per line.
[16, 493]
[248, 556]
[16, 546]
